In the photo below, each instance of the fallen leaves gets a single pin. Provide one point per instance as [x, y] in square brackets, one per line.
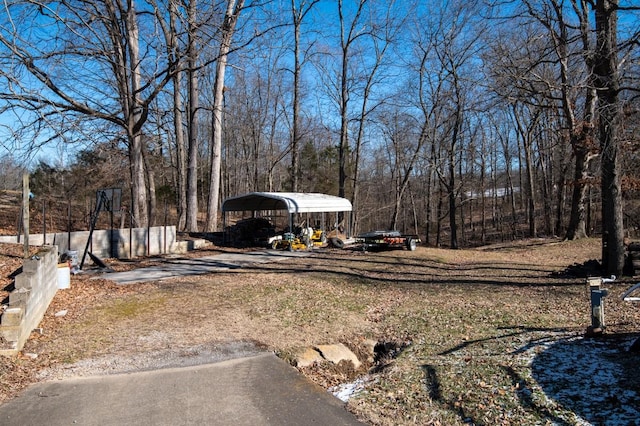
[475, 320]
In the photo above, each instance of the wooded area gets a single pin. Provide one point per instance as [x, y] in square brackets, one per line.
[457, 120]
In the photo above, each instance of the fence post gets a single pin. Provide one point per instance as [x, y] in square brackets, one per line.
[25, 212]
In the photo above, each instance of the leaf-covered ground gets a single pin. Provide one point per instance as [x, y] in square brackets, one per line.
[483, 336]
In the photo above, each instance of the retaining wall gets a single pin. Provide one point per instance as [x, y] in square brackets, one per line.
[114, 243]
[34, 289]
[37, 284]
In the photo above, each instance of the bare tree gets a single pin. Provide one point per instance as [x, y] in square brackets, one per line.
[400, 133]
[10, 171]
[299, 9]
[526, 137]
[579, 132]
[233, 10]
[257, 132]
[116, 82]
[447, 46]
[181, 158]
[171, 34]
[350, 32]
[192, 114]
[383, 34]
[608, 85]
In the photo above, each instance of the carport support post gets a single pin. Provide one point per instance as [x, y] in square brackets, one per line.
[597, 295]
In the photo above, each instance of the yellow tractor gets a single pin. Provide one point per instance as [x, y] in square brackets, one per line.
[303, 239]
[288, 241]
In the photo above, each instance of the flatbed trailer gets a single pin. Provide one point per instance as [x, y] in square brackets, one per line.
[387, 240]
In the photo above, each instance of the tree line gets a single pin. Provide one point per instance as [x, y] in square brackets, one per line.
[463, 121]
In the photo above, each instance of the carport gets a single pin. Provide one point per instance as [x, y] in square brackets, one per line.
[294, 204]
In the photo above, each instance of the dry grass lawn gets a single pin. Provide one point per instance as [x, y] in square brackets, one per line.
[475, 335]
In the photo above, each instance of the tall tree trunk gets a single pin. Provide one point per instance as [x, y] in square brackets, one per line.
[560, 200]
[451, 181]
[295, 137]
[404, 175]
[451, 196]
[607, 84]
[380, 52]
[483, 196]
[546, 187]
[152, 202]
[581, 133]
[439, 213]
[531, 195]
[234, 7]
[135, 118]
[192, 127]
[343, 146]
[181, 159]
[346, 39]
[431, 182]
[577, 220]
[526, 136]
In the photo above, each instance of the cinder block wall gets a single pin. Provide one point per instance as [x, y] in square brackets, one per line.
[37, 284]
[34, 289]
[119, 243]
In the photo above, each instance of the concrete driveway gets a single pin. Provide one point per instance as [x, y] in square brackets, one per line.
[255, 390]
[252, 388]
[201, 265]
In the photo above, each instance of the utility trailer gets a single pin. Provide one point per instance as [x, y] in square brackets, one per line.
[385, 240]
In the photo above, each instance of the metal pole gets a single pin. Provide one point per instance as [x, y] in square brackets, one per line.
[94, 220]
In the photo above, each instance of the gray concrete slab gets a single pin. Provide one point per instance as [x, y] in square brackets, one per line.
[201, 265]
[255, 390]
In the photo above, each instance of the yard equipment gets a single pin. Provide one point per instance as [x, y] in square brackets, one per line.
[287, 241]
[303, 239]
[318, 237]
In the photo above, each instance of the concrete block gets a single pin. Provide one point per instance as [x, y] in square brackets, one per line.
[11, 334]
[30, 266]
[9, 349]
[180, 247]
[12, 317]
[25, 280]
[198, 244]
[19, 296]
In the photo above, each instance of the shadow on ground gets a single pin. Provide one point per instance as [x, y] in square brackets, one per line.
[594, 378]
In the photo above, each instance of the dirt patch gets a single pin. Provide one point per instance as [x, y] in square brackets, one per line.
[461, 327]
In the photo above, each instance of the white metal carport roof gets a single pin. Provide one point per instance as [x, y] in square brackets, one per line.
[293, 202]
